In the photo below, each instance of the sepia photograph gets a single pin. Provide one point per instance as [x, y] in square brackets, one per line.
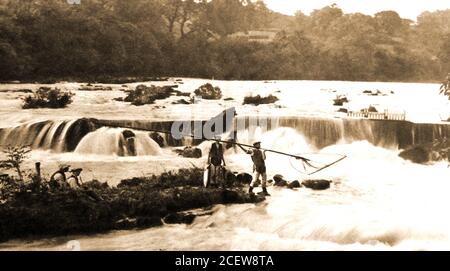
[224, 126]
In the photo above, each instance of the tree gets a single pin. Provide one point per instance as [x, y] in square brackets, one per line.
[445, 87]
[226, 16]
[389, 22]
[171, 12]
[15, 157]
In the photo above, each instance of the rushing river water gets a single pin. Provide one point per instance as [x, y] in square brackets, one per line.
[377, 200]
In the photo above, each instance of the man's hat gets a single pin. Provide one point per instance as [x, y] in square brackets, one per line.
[76, 170]
[64, 167]
[256, 143]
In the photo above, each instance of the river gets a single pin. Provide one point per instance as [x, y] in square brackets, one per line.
[377, 200]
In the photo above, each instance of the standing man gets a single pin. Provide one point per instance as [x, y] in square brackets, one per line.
[259, 166]
[215, 159]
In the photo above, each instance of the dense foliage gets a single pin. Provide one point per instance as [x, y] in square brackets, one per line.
[208, 92]
[45, 39]
[48, 98]
[257, 100]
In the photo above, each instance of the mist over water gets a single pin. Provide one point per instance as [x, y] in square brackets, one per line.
[110, 141]
[377, 200]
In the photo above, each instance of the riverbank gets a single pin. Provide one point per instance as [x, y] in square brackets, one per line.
[34, 210]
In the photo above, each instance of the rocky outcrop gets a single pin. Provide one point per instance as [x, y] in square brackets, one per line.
[294, 184]
[317, 184]
[190, 152]
[209, 92]
[257, 100]
[437, 150]
[279, 180]
[417, 154]
[340, 100]
[157, 138]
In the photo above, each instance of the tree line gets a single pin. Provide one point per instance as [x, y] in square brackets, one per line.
[41, 39]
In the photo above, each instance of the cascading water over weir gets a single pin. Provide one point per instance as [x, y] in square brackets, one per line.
[92, 136]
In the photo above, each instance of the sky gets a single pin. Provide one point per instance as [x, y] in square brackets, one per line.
[406, 9]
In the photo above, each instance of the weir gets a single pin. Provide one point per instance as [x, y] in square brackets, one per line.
[60, 136]
[323, 132]
[66, 136]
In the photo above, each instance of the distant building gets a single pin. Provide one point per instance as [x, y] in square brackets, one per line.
[262, 35]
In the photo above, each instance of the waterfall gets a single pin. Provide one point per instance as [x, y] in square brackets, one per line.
[58, 136]
[323, 132]
[111, 141]
[67, 135]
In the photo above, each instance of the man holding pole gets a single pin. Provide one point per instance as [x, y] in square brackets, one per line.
[215, 159]
[259, 166]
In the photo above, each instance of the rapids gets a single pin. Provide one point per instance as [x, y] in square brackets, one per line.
[377, 200]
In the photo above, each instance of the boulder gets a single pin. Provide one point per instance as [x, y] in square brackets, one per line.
[372, 109]
[128, 133]
[317, 184]
[244, 178]
[157, 138]
[340, 100]
[294, 184]
[279, 180]
[209, 92]
[416, 154]
[190, 152]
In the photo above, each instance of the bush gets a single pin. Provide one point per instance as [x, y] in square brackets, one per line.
[257, 100]
[15, 157]
[148, 95]
[340, 100]
[48, 98]
[209, 92]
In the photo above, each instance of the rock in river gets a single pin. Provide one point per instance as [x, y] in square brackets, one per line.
[317, 184]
